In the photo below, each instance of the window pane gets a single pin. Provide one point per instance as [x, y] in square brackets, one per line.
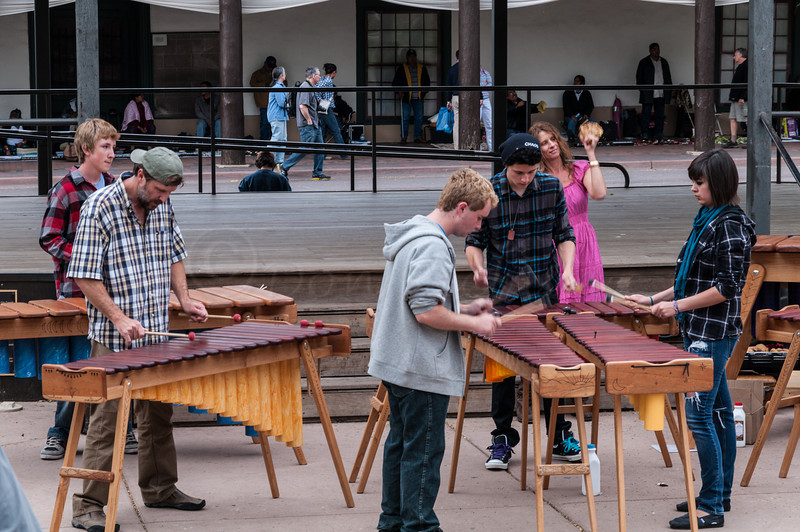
[388, 38]
[781, 27]
[373, 38]
[728, 26]
[373, 20]
[417, 21]
[430, 38]
[741, 27]
[431, 21]
[373, 75]
[781, 10]
[741, 42]
[780, 62]
[742, 11]
[387, 21]
[388, 73]
[779, 76]
[727, 45]
[402, 21]
[416, 38]
[402, 39]
[728, 11]
[781, 44]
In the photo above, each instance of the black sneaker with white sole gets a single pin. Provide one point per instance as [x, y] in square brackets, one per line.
[501, 453]
[568, 450]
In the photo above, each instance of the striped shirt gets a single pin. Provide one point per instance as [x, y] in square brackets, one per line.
[60, 223]
[722, 261]
[323, 83]
[486, 81]
[133, 260]
[524, 268]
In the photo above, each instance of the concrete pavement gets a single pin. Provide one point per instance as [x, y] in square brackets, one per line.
[220, 464]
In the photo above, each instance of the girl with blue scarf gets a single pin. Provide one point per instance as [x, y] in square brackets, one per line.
[706, 299]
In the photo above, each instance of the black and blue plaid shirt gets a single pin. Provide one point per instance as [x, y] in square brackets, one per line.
[722, 261]
[525, 268]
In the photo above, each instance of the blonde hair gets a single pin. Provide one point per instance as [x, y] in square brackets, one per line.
[563, 147]
[88, 133]
[469, 186]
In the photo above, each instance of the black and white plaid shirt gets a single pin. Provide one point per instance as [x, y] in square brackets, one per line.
[722, 261]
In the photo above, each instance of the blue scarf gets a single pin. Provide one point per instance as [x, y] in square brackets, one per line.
[689, 253]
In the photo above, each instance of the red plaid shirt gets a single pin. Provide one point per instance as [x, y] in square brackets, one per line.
[61, 222]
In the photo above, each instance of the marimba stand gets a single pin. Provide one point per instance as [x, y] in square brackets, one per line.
[774, 258]
[633, 377]
[96, 389]
[546, 380]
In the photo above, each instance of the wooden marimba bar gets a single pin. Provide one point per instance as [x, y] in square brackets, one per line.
[249, 371]
[635, 364]
[778, 326]
[548, 369]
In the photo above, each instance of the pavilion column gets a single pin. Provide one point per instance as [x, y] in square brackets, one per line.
[230, 59]
[704, 46]
[469, 39]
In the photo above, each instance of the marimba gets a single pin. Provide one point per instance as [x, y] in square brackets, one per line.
[248, 371]
[778, 326]
[635, 364]
[548, 369]
[47, 331]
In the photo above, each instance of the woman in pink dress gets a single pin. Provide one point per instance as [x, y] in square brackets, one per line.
[581, 180]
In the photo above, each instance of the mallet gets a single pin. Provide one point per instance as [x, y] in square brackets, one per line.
[190, 336]
[236, 317]
[620, 295]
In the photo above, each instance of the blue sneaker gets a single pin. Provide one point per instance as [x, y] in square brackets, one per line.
[501, 453]
[568, 450]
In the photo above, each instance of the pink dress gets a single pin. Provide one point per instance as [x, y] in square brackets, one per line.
[588, 262]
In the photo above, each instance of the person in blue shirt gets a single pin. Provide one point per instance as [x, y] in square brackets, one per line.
[277, 114]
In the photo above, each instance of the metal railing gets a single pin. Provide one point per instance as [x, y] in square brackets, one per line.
[45, 134]
[766, 121]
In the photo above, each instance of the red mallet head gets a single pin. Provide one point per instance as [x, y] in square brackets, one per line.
[303, 323]
[318, 323]
[237, 318]
[191, 335]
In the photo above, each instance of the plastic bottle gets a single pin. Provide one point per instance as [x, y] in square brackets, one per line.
[739, 423]
[594, 467]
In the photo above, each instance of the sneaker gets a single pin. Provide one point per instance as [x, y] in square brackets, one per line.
[684, 506]
[283, 170]
[53, 449]
[707, 521]
[131, 445]
[93, 522]
[501, 453]
[568, 450]
[731, 144]
[320, 177]
[179, 501]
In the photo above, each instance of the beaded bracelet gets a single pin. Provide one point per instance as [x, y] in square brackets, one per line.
[675, 306]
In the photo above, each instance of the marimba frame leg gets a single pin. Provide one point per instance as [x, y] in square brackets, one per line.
[526, 406]
[69, 462]
[380, 396]
[551, 435]
[680, 407]
[377, 435]
[314, 385]
[537, 459]
[620, 462]
[299, 455]
[587, 478]
[462, 409]
[263, 440]
[123, 411]
[792, 444]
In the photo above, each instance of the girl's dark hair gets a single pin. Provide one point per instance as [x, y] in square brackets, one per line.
[719, 171]
[265, 159]
[329, 68]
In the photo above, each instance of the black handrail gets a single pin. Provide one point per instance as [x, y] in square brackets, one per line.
[766, 121]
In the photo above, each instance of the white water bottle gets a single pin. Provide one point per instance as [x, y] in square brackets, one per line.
[739, 423]
[594, 467]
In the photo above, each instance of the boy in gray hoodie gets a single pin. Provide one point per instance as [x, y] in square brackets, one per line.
[416, 345]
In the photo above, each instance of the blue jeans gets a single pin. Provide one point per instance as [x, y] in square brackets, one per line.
[308, 134]
[412, 456]
[264, 129]
[572, 126]
[416, 105]
[710, 418]
[279, 135]
[329, 122]
[657, 108]
[202, 128]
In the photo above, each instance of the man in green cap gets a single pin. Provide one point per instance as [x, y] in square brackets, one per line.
[128, 253]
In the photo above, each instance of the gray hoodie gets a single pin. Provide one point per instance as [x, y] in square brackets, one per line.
[419, 274]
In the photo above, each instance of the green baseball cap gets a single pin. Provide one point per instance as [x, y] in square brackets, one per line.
[162, 164]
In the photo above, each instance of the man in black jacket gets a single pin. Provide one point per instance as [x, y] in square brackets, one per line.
[738, 97]
[577, 104]
[653, 70]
